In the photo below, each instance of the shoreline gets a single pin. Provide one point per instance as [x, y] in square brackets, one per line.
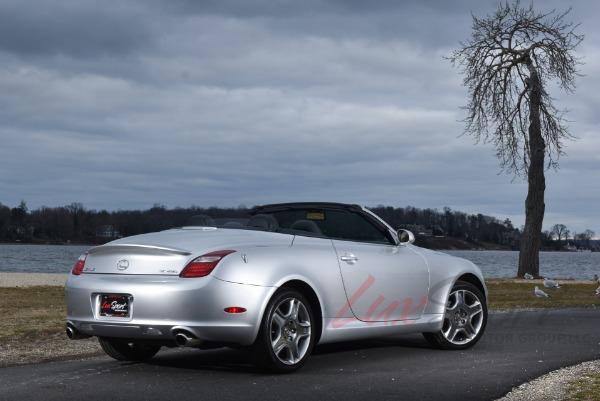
[13, 280]
[33, 279]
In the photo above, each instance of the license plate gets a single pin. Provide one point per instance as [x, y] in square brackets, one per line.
[114, 305]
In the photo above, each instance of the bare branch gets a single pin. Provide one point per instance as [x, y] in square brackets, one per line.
[505, 49]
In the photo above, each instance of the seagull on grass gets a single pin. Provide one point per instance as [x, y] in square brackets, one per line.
[539, 293]
[550, 283]
[528, 276]
[598, 291]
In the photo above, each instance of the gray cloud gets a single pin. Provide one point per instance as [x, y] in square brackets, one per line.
[72, 28]
[224, 103]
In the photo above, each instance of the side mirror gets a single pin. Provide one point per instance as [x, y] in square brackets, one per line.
[405, 237]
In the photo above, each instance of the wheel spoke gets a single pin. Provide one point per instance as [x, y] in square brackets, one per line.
[460, 298]
[452, 333]
[303, 329]
[294, 306]
[470, 330]
[278, 319]
[453, 305]
[278, 345]
[447, 331]
[295, 353]
[475, 309]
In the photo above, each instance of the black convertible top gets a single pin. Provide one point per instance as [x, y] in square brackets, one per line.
[304, 205]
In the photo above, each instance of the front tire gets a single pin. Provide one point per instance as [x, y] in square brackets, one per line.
[465, 318]
[126, 350]
[286, 336]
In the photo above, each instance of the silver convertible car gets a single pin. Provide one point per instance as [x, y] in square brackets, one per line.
[280, 281]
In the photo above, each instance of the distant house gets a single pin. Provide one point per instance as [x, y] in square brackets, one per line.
[570, 248]
[426, 232]
[418, 229]
[108, 231]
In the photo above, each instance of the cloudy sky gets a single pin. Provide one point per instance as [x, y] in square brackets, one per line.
[126, 104]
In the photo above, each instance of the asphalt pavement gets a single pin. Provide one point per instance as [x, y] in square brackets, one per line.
[517, 347]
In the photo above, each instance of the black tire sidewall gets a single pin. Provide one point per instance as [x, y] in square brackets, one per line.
[120, 350]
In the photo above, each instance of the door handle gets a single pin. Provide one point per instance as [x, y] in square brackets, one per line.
[349, 258]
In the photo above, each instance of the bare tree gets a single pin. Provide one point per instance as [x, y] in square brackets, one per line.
[585, 238]
[508, 63]
[559, 231]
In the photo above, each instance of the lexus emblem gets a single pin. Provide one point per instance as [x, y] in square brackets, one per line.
[123, 264]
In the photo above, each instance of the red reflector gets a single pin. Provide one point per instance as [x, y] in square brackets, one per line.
[204, 265]
[235, 309]
[79, 265]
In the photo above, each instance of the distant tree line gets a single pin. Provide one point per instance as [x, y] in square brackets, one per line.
[76, 224]
[560, 237]
[474, 228]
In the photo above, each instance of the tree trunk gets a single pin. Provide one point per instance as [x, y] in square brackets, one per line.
[529, 255]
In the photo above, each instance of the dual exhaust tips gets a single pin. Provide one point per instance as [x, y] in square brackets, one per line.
[182, 338]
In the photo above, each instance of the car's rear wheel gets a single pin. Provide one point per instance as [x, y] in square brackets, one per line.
[286, 337]
[465, 318]
[126, 350]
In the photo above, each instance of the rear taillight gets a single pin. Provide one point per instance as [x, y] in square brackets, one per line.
[79, 265]
[204, 265]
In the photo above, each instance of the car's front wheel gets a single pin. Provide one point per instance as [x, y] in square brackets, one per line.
[465, 318]
[286, 336]
[126, 350]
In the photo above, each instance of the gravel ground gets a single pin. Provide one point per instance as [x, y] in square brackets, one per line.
[552, 386]
[31, 279]
[53, 347]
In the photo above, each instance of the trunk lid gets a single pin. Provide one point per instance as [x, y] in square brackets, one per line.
[168, 252]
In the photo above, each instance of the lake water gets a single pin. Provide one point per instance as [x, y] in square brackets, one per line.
[499, 264]
[39, 258]
[494, 264]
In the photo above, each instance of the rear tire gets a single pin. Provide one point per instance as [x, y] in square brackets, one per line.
[286, 336]
[465, 318]
[126, 350]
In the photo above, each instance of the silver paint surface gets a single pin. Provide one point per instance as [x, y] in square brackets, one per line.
[374, 290]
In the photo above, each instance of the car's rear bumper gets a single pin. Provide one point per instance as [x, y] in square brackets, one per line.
[163, 305]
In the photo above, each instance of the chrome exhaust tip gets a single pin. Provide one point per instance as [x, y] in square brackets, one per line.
[183, 339]
[70, 332]
[74, 334]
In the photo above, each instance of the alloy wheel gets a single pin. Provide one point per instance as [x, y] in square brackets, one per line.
[464, 317]
[290, 328]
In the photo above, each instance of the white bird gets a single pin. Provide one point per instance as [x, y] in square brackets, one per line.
[550, 283]
[528, 276]
[539, 293]
[598, 291]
